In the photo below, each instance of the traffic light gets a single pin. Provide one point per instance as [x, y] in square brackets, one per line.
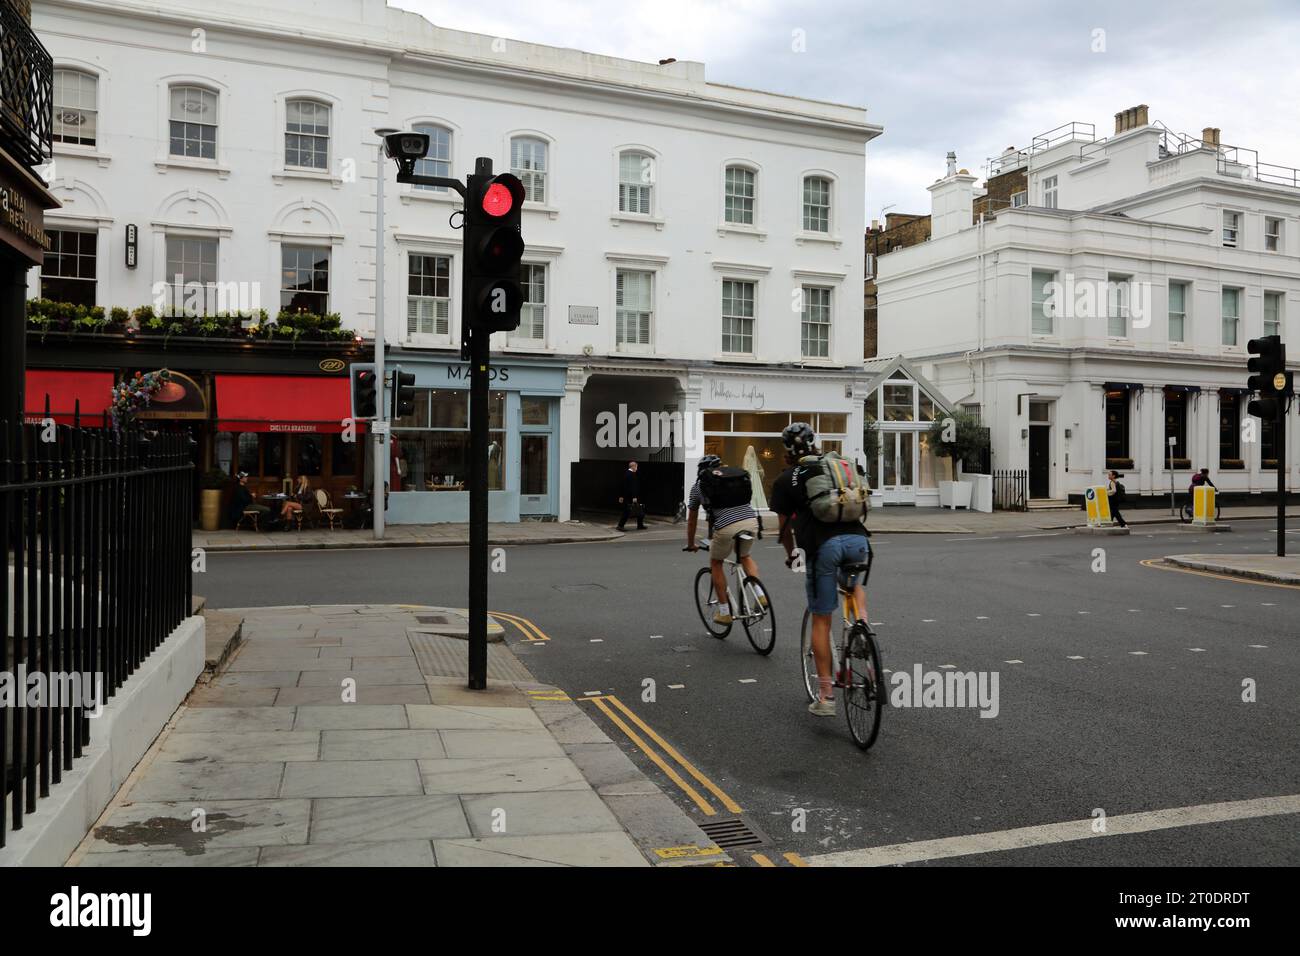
[365, 393]
[403, 394]
[1270, 378]
[493, 248]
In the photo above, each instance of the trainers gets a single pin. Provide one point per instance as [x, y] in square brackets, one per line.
[762, 600]
[722, 617]
[822, 708]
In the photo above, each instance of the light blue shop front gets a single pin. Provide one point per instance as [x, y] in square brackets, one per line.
[429, 464]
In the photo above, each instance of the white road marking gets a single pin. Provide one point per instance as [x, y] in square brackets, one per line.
[1073, 658]
[1033, 614]
[656, 637]
[1268, 604]
[1138, 653]
[1023, 837]
[749, 680]
[591, 693]
[1227, 605]
[1085, 612]
[948, 666]
[927, 620]
[1260, 646]
[877, 623]
[1196, 648]
[676, 686]
[1013, 662]
[598, 640]
[1135, 610]
[1180, 609]
[980, 617]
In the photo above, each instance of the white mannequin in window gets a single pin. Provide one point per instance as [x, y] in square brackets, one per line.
[755, 469]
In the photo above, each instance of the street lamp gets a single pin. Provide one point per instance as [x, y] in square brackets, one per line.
[379, 425]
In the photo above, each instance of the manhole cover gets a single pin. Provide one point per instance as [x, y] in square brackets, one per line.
[729, 834]
[579, 587]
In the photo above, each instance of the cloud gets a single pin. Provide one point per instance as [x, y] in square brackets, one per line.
[954, 75]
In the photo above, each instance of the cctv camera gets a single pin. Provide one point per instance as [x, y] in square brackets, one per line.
[406, 148]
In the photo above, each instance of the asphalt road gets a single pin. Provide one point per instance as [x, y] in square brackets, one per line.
[1119, 692]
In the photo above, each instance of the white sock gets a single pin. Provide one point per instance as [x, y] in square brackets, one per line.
[724, 608]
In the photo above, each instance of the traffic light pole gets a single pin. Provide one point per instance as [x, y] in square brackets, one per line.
[479, 359]
[377, 426]
[1279, 444]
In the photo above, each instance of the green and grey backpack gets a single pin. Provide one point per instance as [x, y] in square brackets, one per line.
[836, 492]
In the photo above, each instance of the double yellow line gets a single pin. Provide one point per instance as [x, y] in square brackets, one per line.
[794, 859]
[622, 717]
[530, 631]
[1160, 565]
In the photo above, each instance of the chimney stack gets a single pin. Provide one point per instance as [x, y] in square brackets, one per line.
[1131, 118]
[952, 163]
[1210, 136]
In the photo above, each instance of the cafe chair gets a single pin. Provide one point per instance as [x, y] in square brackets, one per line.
[251, 514]
[327, 508]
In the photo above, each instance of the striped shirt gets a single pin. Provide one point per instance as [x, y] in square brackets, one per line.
[723, 516]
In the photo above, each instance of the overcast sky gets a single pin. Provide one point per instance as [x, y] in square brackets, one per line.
[940, 75]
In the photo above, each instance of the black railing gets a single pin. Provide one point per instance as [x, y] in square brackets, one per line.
[1011, 490]
[26, 89]
[96, 533]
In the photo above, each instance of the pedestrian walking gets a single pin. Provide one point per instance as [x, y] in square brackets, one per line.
[1115, 490]
[630, 498]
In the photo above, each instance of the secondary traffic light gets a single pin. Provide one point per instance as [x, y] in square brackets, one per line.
[1270, 378]
[403, 394]
[365, 394]
[493, 249]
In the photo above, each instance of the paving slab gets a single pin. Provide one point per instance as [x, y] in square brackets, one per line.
[533, 814]
[381, 745]
[369, 677]
[242, 719]
[423, 817]
[218, 694]
[210, 780]
[352, 778]
[499, 743]
[169, 826]
[257, 746]
[501, 775]
[358, 695]
[594, 849]
[351, 717]
[239, 856]
[473, 717]
[389, 853]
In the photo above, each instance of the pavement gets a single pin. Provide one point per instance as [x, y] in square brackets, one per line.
[882, 520]
[345, 735]
[1260, 567]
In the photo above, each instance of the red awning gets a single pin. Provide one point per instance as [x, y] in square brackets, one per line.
[283, 403]
[94, 390]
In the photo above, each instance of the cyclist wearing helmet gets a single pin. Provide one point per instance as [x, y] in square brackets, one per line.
[825, 546]
[724, 524]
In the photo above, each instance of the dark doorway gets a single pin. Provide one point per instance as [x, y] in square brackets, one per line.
[1039, 461]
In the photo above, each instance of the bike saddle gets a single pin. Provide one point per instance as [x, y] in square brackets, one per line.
[745, 536]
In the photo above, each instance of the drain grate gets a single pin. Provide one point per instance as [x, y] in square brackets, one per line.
[733, 833]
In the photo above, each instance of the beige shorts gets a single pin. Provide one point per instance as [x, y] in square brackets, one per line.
[723, 544]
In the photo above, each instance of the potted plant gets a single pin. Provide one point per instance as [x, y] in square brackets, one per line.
[213, 487]
[957, 436]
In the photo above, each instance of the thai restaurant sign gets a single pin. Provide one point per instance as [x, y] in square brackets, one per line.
[23, 202]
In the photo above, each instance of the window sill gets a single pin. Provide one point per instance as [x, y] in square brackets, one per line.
[748, 358]
[419, 340]
[1119, 342]
[447, 196]
[524, 347]
[622, 217]
[735, 229]
[624, 349]
[549, 211]
[819, 238]
[83, 152]
[181, 162]
[319, 175]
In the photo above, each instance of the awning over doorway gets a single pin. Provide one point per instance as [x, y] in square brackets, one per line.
[65, 389]
[283, 403]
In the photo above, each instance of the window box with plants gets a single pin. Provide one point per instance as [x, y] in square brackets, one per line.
[47, 316]
[1231, 464]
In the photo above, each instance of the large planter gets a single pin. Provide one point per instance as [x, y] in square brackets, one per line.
[210, 509]
[954, 494]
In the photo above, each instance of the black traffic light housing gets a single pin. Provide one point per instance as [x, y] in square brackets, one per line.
[403, 394]
[365, 391]
[1269, 377]
[494, 247]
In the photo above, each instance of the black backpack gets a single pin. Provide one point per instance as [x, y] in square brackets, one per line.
[726, 488]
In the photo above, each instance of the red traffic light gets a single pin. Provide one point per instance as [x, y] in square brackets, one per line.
[502, 195]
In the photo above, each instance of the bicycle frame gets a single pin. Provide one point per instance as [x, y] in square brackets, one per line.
[733, 567]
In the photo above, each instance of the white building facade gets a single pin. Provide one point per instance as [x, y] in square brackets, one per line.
[692, 248]
[1106, 311]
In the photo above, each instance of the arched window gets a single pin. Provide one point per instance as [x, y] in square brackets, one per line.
[193, 122]
[437, 162]
[528, 161]
[307, 134]
[738, 196]
[636, 180]
[76, 107]
[816, 204]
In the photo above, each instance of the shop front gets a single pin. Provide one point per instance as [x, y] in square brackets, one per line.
[903, 466]
[429, 453]
[744, 414]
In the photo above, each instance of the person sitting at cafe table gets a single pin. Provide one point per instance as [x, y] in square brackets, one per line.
[242, 500]
[302, 495]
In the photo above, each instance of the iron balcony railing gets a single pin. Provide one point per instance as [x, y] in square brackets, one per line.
[96, 532]
[26, 90]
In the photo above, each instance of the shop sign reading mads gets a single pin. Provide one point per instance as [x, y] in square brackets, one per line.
[460, 373]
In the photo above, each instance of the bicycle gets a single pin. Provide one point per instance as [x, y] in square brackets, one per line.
[1185, 513]
[858, 669]
[759, 621]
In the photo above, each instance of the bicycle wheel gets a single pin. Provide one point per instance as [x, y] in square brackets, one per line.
[808, 665]
[706, 605]
[761, 629]
[1185, 515]
[865, 694]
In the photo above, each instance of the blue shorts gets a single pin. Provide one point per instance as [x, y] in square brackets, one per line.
[822, 572]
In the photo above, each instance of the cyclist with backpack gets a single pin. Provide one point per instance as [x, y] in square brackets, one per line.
[822, 501]
[725, 494]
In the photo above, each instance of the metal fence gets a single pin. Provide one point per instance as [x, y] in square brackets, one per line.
[1011, 490]
[97, 540]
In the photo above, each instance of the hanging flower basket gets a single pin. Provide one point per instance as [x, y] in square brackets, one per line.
[136, 393]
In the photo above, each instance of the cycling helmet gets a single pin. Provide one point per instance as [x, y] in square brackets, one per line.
[707, 462]
[799, 438]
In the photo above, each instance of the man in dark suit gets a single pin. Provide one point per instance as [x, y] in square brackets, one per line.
[631, 498]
